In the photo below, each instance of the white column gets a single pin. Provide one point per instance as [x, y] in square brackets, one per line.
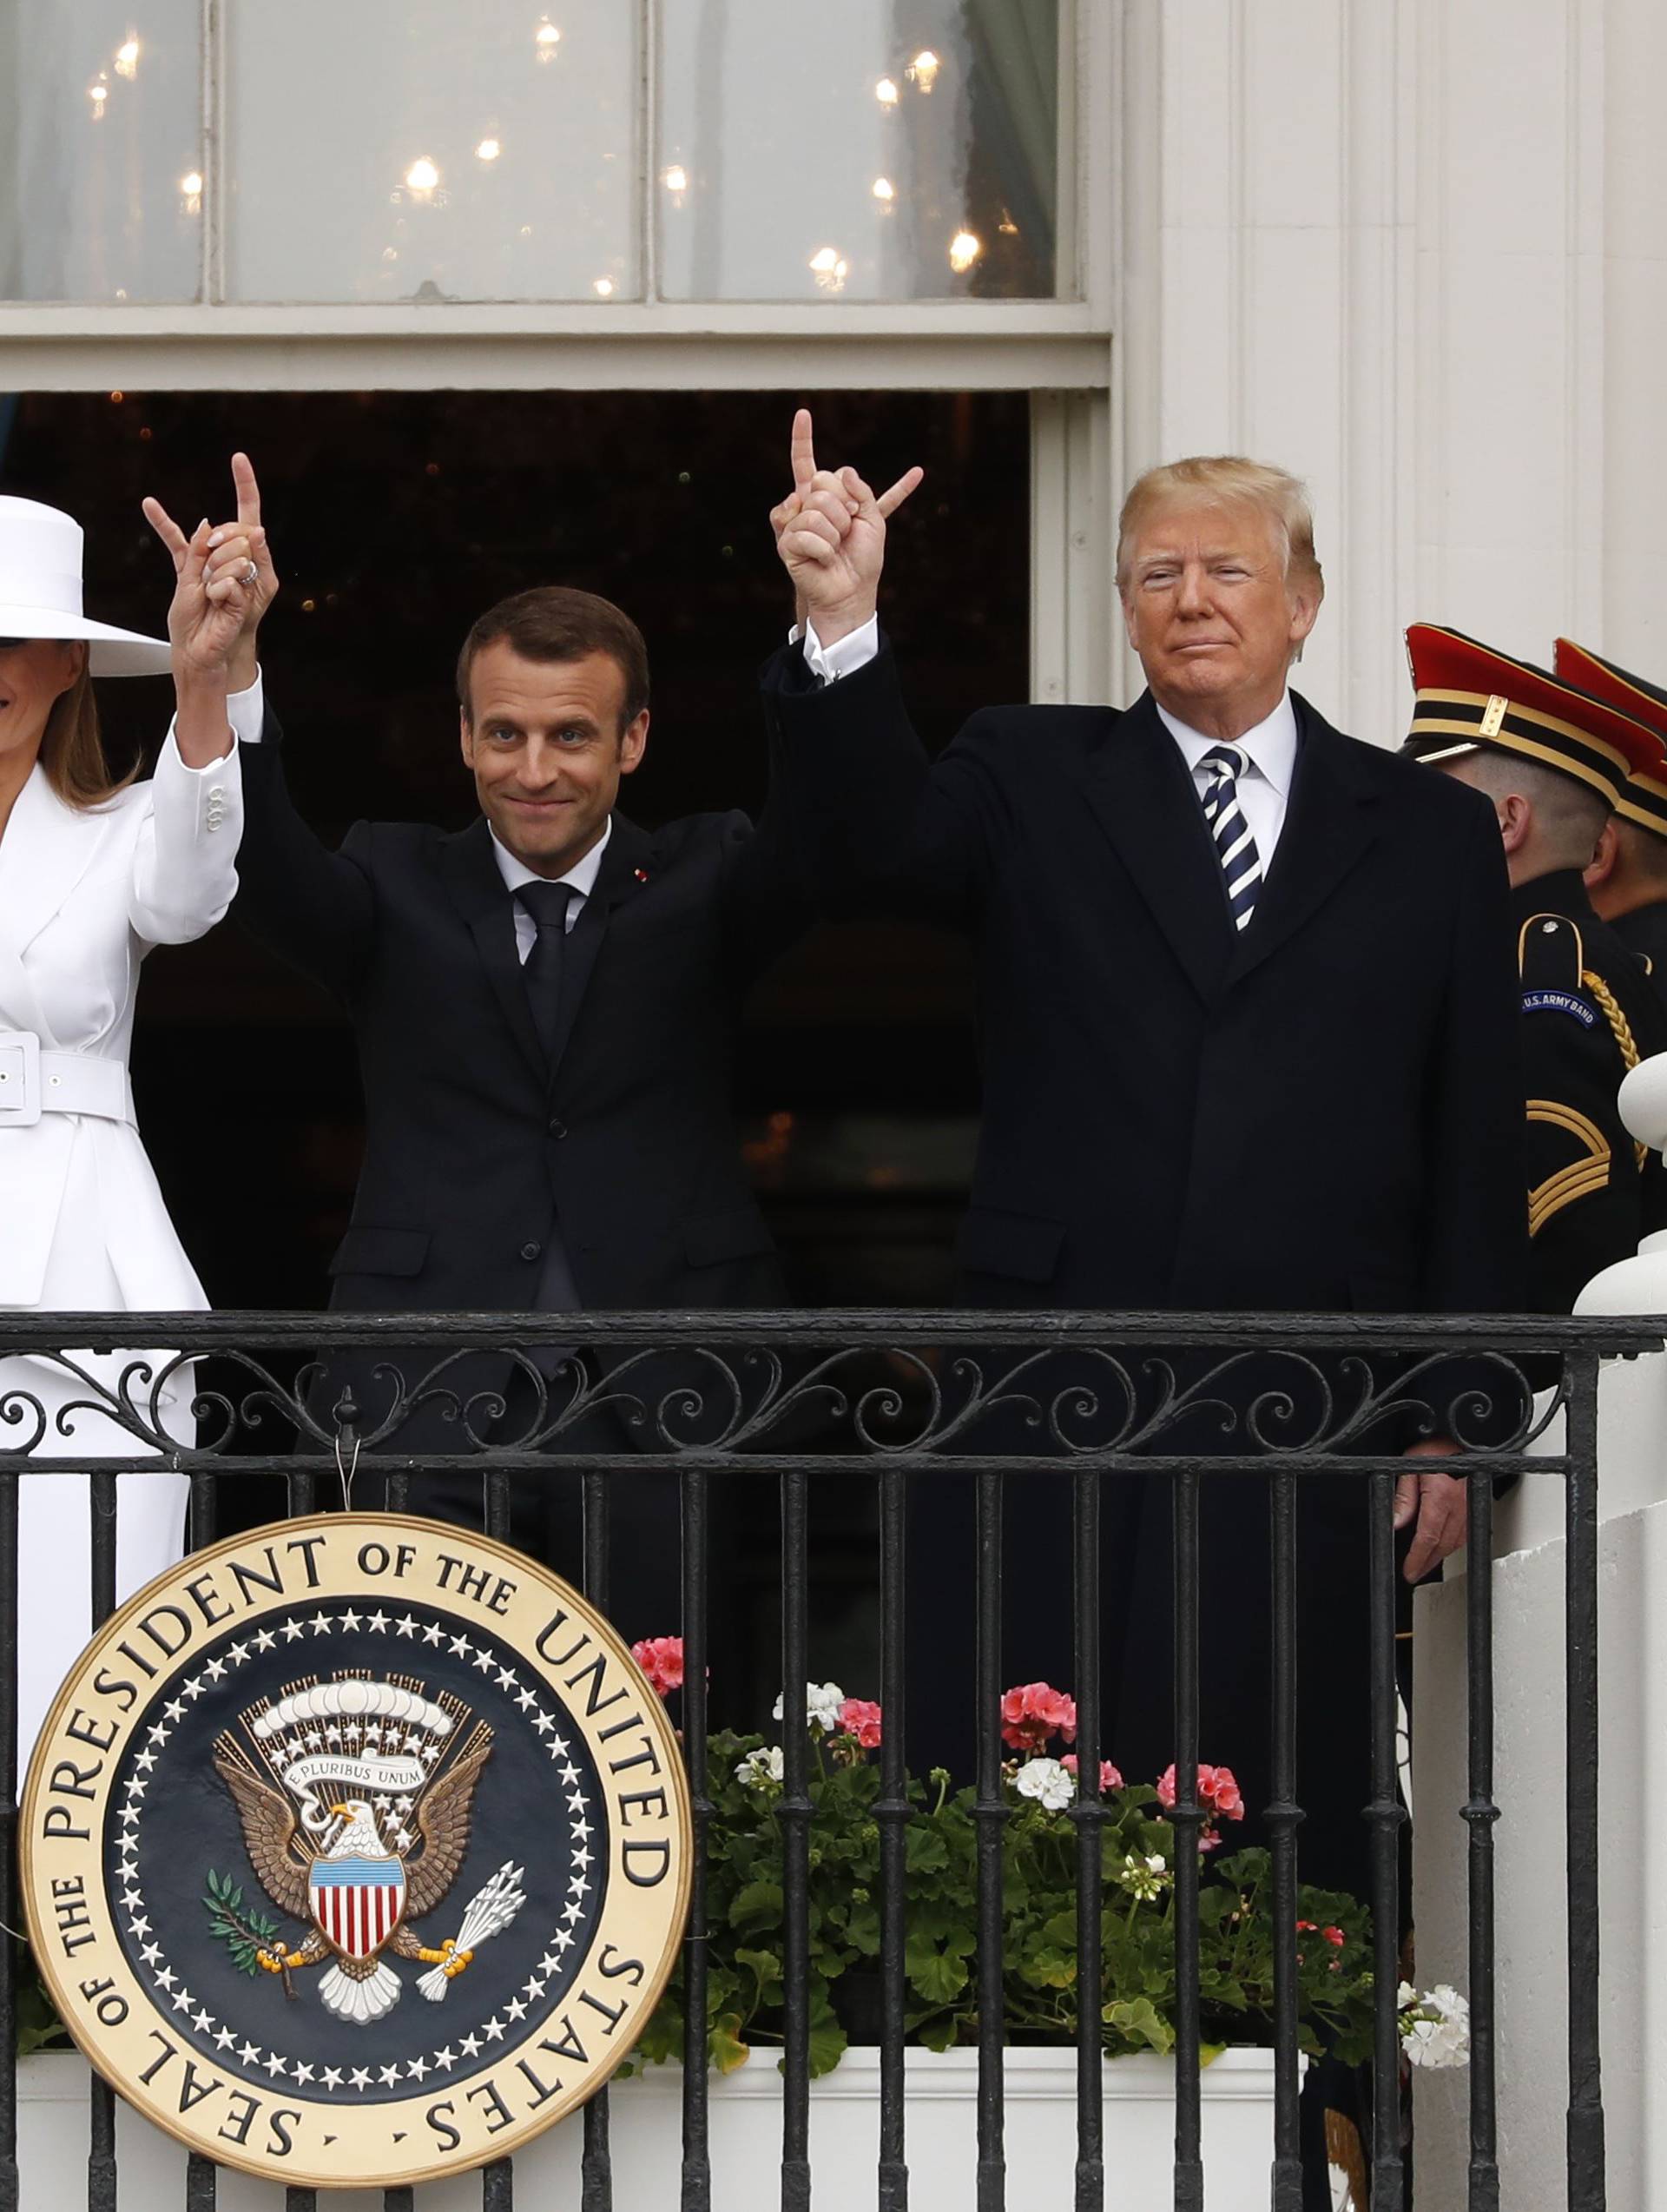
[1414, 253]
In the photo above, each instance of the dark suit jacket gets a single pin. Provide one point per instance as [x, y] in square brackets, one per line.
[1324, 1113]
[480, 1147]
[1644, 933]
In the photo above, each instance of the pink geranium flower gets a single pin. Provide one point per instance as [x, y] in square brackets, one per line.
[661, 1659]
[860, 1717]
[1218, 1792]
[1033, 1712]
[1109, 1778]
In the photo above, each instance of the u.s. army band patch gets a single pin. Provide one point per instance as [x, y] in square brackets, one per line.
[356, 1849]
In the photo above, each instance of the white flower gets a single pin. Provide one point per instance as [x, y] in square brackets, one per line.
[1143, 1877]
[1047, 1781]
[822, 1703]
[761, 1768]
[1435, 2030]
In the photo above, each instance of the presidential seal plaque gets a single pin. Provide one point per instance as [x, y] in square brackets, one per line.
[356, 1849]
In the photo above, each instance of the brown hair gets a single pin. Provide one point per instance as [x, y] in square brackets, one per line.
[554, 622]
[72, 752]
[1224, 479]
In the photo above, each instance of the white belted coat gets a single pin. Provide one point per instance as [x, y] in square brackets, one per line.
[84, 894]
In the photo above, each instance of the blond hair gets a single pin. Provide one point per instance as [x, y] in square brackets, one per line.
[72, 751]
[1225, 479]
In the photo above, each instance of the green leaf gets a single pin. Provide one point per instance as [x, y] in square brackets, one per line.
[724, 2045]
[758, 1905]
[1140, 2022]
[924, 1851]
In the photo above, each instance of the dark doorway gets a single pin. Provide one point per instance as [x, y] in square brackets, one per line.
[396, 517]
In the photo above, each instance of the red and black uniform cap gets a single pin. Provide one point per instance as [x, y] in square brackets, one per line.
[1644, 799]
[1470, 696]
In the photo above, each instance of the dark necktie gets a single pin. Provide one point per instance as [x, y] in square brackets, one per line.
[542, 969]
[1235, 849]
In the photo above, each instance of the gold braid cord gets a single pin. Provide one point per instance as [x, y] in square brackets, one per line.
[1623, 1029]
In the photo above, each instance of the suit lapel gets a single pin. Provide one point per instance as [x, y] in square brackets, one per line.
[471, 874]
[1139, 789]
[45, 851]
[629, 850]
[1329, 829]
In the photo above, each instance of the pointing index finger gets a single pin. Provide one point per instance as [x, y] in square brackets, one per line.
[803, 451]
[248, 492]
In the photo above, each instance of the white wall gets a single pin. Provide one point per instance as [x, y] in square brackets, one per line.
[1414, 250]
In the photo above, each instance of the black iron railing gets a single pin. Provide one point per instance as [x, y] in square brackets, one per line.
[981, 1398]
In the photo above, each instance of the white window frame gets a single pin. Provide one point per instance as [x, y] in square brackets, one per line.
[1059, 350]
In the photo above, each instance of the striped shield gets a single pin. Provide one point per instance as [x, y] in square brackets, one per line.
[357, 1902]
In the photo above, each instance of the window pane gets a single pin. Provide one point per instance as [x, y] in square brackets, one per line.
[101, 194]
[875, 149]
[415, 149]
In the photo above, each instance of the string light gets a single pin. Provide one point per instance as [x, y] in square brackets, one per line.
[191, 191]
[488, 150]
[923, 70]
[885, 190]
[885, 92]
[675, 180]
[126, 57]
[422, 176]
[828, 269]
[98, 94]
[604, 288]
[546, 39]
[964, 249]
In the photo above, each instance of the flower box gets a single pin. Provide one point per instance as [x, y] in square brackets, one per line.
[746, 2139]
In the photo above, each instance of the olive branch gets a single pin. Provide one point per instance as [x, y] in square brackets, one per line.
[245, 1933]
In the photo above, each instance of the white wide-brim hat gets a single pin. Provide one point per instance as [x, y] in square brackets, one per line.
[40, 592]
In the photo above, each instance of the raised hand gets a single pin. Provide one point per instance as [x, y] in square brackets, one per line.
[211, 591]
[236, 571]
[830, 533]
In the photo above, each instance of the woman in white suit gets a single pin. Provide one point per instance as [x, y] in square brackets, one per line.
[94, 871]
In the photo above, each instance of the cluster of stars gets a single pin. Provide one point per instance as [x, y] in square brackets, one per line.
[275, 2063]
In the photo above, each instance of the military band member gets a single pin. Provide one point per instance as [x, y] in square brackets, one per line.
[1627, 880]
[1556, 763]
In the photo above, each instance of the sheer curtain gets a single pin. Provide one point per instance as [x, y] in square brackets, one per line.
[99, 150]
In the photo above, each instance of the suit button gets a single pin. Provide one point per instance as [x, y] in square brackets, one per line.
[558, 1127]
[530, 1252]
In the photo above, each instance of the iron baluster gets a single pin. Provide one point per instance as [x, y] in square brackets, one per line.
[793, 1813]
[1481, 1814]
[1384, 1814]
[1587, 2187]
[1089, 1814]
[1188, 1818]
[991, 1813]
[697, 2162]
[1283, 1818]
[892, 1816]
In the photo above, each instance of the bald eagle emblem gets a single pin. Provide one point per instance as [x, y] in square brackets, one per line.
[356, 1797]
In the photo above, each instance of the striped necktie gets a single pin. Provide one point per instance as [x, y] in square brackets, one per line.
[1235, 849]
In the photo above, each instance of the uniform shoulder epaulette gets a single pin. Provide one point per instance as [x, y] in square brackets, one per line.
[1551, 961]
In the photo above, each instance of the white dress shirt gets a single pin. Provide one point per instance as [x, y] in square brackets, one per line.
[581, 877]
[245, 710]
[1265, 787]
